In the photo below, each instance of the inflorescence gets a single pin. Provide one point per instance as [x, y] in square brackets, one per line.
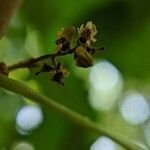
[75, 41]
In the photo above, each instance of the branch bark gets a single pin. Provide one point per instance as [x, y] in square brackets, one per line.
[20, 88]
[30, 63]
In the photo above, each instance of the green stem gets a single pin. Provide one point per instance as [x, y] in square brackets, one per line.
[22, 89]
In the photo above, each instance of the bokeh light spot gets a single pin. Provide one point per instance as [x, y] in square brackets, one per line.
[134, 108]
[23, 146]
[105, 85]
[28, 118]
[103, 143]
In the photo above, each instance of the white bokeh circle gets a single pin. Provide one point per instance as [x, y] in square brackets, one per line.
[106, 85]
[23, 146]
[104, 143]
[28, 118]
[134, 108]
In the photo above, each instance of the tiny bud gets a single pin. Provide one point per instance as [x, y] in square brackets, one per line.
[92, 50]
[83, 58]
[62, 44]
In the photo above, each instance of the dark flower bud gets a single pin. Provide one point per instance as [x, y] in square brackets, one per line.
[59, 73]
[62, 44]
[57, 77]
[90, 50]
[64, 38]
[85, 35]
[82, 57]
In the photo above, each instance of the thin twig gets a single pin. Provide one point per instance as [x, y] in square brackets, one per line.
[30, 63]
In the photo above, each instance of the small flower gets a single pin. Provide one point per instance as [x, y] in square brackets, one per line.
[64, 38]
[82, 57]
[59, 73]
[87, 33]
[4, 69]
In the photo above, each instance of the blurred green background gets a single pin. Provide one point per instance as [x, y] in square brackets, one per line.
[123, 28]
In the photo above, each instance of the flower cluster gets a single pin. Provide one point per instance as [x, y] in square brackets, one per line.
[75, 41]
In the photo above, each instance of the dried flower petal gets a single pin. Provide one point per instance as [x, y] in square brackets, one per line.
[62, 44]
[60, 33]
[87, 33]
[59, 73]
[64, 38]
